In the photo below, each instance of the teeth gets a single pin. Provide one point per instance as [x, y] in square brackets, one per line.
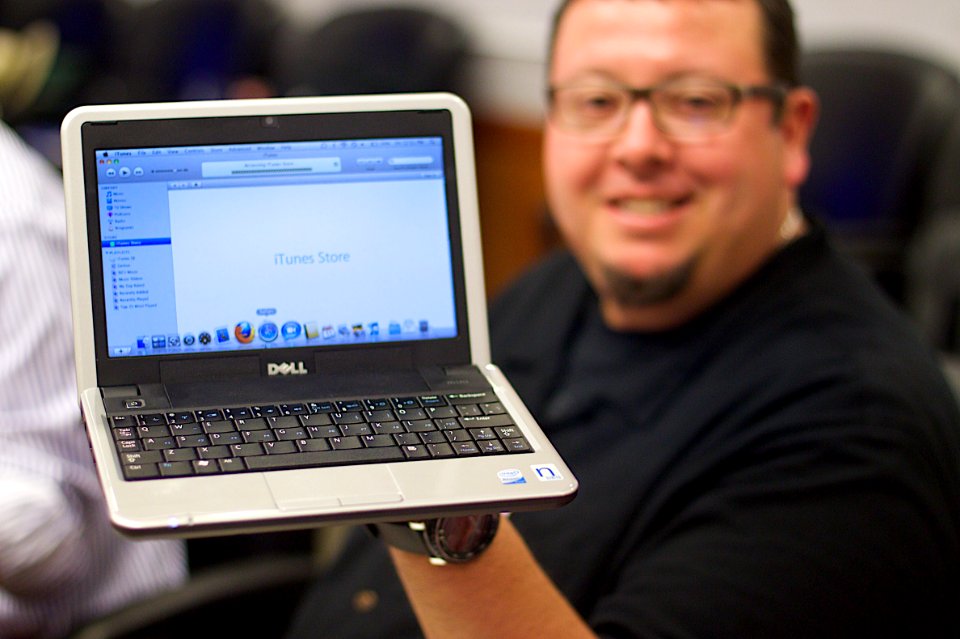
[644, 206]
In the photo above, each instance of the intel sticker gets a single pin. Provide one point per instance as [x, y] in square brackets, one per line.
[511, 476]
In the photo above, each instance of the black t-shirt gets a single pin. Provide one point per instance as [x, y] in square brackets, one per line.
[787, 464]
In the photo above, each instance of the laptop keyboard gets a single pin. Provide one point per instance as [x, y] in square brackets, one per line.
[210, 441]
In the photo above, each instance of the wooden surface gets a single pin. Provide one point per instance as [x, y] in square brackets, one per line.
[513, 218]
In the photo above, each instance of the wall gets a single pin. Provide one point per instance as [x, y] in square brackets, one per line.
[510, 37]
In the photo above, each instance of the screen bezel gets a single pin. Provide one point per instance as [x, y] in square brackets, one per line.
[268, 128]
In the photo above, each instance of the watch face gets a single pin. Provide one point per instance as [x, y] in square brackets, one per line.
[459, 539]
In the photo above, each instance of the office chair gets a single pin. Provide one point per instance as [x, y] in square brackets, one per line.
[194, 49]
[373, 50]
[882, 137]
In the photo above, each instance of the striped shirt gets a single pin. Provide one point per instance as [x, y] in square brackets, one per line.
[61, 563]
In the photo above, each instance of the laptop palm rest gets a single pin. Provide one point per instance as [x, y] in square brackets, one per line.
[351, 486]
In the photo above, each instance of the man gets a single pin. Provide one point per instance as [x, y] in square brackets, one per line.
[61, 563]
[763, 446]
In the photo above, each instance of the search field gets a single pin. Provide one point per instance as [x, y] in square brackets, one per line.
[410, 161]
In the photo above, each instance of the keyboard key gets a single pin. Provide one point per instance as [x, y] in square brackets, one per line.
[241, 412]
[245, 450]
[477, 397]
[255, 423]
[415, 452]
[175, 469]
[290, 434]
[128, 445]
[280, 448]
[187, 429]
[287, 421]
[225, 439]
[433, 437]
[356, 430]
[154, 419]
[410, 414]
[491, 447]
[344, 443]
[469, 410]
[293, 409]
[378, 415]
[232, 465]
[324, 431]
[218, 427]
[440, 450]
[486, 421]
[179, 454]
[319, 419]
[493, 408]
[140, 471]
[141, 457]
[312, 445]
[458, 436]
[125, 432]
[387, 428]
[517, 445]
[213, 452]
[206, 467]
[377, 441]
[158, 443]
[419, 425]
[436, 412]
[153, 431]
[322, 407]
[465, 449]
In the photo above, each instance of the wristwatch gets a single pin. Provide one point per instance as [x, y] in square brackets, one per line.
[446, 540]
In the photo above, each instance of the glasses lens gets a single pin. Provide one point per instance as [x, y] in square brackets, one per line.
[691, 107]
[589, 109]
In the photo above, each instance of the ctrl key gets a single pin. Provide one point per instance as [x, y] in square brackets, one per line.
[140, 471]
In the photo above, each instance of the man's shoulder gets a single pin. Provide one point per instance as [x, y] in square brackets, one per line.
[542, 301]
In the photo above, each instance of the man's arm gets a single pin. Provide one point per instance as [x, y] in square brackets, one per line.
[503, 593]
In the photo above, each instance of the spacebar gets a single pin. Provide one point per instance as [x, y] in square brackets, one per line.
[324, 458]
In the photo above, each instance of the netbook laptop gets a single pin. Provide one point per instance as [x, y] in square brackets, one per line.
[280, 318]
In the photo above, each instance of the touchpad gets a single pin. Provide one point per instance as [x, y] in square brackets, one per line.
[333, 487]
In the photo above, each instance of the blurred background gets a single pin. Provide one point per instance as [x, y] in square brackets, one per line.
[57, 54]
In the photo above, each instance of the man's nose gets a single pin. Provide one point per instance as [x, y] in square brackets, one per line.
[640, 141]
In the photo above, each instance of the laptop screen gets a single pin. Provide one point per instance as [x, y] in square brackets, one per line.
[274, 244]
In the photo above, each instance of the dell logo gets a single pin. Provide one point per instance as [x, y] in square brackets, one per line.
[286, 368]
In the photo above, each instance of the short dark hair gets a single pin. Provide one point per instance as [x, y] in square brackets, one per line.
[781, 49]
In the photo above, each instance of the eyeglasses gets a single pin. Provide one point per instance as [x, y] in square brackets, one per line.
[683, 107]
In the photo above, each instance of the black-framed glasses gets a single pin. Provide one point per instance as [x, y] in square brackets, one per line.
[684, 107]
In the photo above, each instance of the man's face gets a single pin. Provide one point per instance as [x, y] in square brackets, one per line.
[662, 227]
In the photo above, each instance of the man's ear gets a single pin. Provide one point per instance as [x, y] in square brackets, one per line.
[797, 123]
